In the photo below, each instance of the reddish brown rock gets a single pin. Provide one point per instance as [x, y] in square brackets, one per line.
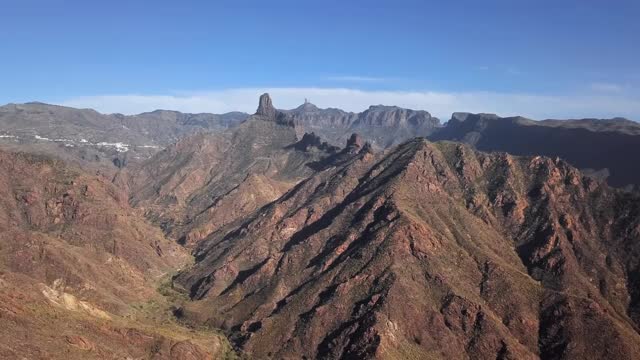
[80, 268]
[428, 251]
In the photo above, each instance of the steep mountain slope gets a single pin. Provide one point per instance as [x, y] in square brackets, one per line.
[382, 126]
[79, 270]
[600, 147]
[431, 250]
[91, 138]
[207, 181]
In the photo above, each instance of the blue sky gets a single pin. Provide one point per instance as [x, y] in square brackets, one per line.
[562, 58]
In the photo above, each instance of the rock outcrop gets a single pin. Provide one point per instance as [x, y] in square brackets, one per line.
[267, 112]
[355, 141]
[265, 107]
[311, 142]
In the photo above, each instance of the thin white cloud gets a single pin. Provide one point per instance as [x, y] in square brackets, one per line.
[607, 87]
[356, 78]
[440, 104]
[513, 71]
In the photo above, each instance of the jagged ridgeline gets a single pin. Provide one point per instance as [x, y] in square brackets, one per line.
[107, 143]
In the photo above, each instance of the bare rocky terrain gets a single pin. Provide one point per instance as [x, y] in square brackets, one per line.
[432, 250]
[283, 235]
[82, 274]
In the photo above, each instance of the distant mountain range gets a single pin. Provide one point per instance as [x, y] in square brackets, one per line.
[96, 139]
[601, 148]
[382, 126]
[157, 128]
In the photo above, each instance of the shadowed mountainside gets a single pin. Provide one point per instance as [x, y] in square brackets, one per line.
[604, 148]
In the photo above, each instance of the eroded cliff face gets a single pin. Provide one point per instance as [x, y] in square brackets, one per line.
[49, 208]
[382, 126]
[80, 269]
[431, 250]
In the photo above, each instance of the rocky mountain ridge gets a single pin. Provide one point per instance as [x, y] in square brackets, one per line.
[409, 254]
